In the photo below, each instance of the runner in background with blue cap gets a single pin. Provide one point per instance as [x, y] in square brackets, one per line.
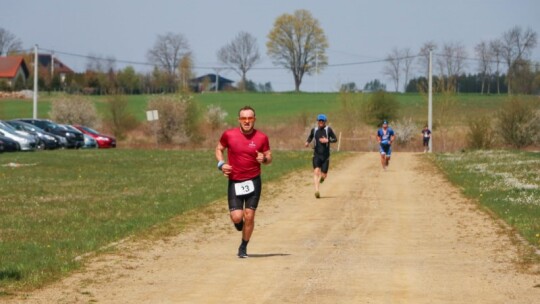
[323, 135]
[385, 136]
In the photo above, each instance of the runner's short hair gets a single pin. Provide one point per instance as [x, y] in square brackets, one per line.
[246, 108]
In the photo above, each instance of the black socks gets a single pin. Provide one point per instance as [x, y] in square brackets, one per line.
[239, 226]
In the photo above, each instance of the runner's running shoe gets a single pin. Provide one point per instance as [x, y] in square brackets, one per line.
[317, 194]
[322, 179]
[242, 252]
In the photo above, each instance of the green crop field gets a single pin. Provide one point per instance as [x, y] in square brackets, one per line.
[276, 107]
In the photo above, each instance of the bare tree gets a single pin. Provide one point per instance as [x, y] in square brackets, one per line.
[408, 59]
[298, 43]
[496, 53]
[451, 63]
[483, 52]
[516, 46]
[8, 42]
[168, 51]
[241, 54]
[101, 64]
[392, 69]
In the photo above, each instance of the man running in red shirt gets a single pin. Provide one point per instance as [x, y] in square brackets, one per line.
[247, 149]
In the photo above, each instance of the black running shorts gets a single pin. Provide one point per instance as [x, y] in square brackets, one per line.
[321, 162]
[251, 200]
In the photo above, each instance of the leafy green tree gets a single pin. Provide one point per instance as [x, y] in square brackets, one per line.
[128, 80]
[522, 77]
[375, 85]
[348, 87]
[298, 43]
[380, 106]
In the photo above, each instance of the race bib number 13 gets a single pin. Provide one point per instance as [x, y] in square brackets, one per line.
[244, 188]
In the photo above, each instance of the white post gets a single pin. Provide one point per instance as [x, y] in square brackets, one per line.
[52, 64]
[430, 101]
[317, 73]
[36, 63]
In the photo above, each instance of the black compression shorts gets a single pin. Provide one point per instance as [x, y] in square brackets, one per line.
[251, 200]
[321, 162]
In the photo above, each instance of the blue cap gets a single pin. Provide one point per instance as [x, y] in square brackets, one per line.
[385, 122]
[321, 117]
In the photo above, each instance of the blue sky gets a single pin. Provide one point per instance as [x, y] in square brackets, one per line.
[357, 31]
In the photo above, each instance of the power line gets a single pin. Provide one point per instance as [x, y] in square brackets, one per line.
[204, 67]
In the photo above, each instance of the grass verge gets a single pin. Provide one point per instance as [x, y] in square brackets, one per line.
[58, 205]
[506, 182]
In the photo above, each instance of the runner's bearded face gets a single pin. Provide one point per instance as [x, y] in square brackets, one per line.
[247, 121]
[321, 123]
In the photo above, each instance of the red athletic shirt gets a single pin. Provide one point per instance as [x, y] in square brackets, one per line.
[242, 152]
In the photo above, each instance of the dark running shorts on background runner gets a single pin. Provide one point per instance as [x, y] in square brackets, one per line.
[321, 162]
[251, 200]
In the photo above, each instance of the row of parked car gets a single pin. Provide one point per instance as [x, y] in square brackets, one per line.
[40, 134]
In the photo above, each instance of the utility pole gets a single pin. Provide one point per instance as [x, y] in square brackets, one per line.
[217, 78]
[52, 64]
[317, 71]
[430, 100]
[36, 63]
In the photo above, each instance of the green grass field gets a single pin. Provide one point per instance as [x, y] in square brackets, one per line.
[57, 205]
[277, 107]
[506, 182]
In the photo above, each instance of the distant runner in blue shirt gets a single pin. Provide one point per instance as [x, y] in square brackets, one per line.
[385, 136]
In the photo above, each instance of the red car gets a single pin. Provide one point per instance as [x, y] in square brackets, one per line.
[103, 141]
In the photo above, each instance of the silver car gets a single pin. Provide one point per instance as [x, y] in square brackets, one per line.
[27, 142]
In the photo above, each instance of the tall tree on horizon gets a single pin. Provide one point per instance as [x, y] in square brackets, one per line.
[516, 46]
[298, 43]
[9, 43]
[241, 54]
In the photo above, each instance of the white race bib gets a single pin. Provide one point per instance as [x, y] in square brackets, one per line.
[244, 188]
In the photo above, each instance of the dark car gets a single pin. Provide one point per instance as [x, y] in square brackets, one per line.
[73, 140]
[9, 144]
[103, 141]
[89, 142]
[47, 140]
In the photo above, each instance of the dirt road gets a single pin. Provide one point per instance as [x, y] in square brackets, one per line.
[400, 236]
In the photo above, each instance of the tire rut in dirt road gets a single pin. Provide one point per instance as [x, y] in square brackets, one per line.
[400, 236]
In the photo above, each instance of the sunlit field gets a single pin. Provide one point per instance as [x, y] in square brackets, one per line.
[58, 205]
[506, 182]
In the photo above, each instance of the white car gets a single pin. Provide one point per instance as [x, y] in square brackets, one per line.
[27, 143]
